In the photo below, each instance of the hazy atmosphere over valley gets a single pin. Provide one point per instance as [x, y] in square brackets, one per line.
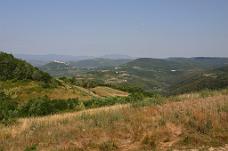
[113, 75]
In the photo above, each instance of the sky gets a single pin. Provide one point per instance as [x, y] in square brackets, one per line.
[139, 28]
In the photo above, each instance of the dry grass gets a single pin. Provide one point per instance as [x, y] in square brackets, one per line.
[190, 123]
[23, 91]
[63, 93]
[55, 93]
[108, 92]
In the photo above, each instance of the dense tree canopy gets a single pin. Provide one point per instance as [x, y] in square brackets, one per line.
[12, 68]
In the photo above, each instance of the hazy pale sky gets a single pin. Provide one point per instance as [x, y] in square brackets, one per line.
[144, 28]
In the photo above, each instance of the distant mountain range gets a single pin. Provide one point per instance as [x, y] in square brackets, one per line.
[116, 56]
[58, 68]
[98, 63]
[39, 60]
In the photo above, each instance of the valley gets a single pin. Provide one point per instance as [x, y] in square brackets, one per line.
[141, 104]
[113, 75]
[151, 75]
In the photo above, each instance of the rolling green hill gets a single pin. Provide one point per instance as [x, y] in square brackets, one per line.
[211, 79]
[178, 64]
[161, 74]
[158, 74]
[58, 69]
[202, 62]
[54, 65]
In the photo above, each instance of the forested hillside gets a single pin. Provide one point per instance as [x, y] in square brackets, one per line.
[165, 75]
[210, 79]
[12, 68]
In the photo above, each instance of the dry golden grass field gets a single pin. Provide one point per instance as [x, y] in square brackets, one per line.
[24, 91]
[182, 123]
[108, 92]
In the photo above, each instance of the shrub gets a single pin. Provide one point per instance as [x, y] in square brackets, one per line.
[133, 89]
[99, 102]
[8, 108]
[31, 148]
[135, 99]
[51, 84]
[149, 142]
[44, 106]
[205, 93]
[102, 119]
[202, 127]
[224, 108]
[108, 146]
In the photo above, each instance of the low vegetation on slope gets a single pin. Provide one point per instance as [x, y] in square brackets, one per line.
[182, 122]
[12, 109]
[23, 91]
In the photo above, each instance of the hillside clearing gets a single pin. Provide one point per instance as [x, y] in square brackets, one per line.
[24, 91]
[108, 92]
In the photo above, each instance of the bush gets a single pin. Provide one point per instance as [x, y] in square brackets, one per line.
[149, 142]
[44, 106]
[99, 102]
[108, 146]
[31, 148]
[134, 89]
[8, 109]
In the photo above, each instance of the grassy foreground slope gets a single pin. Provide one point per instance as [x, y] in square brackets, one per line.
[190, 121]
